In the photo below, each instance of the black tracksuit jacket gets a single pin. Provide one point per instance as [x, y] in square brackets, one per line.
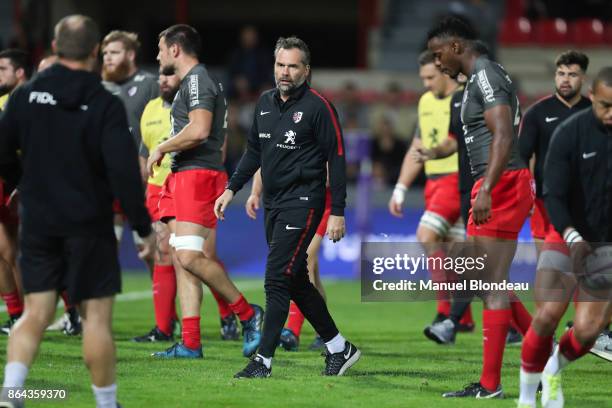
[292, 141]
[76, 154]
[578, 177]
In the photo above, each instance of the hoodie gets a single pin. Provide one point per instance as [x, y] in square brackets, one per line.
[76, 154]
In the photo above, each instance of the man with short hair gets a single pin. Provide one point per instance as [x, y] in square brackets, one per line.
[69, 322]
[441, 220]
[578, 197]
[14, 72]
[80, 145]
[135, 87]
[541, 120]
[122, 77]
[295, 138]
[155, 128]
[198, 176]
[502, 195]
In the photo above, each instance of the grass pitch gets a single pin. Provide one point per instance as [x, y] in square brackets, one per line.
[399, 367]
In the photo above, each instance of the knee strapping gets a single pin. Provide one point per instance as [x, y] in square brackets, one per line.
[188, 243]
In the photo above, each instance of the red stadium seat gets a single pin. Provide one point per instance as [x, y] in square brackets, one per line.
[515, 31]
[551, 32]
[587, 32]
[608, 33]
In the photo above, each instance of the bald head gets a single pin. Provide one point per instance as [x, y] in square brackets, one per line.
[601, 96]
[76, 37]
[604, 77]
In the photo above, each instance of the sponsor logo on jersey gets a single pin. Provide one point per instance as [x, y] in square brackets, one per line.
[290, 137]
[139, 78]
[297, 116]
[193, 90]
[289, 142]
[132, 91]
[265, 136]
[485, 86]
[42, 98]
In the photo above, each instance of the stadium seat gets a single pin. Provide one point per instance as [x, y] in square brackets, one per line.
[608, 33]
[551, 32]
[587, 32]
[515, 31]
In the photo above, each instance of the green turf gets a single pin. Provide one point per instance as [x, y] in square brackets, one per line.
[399, 367]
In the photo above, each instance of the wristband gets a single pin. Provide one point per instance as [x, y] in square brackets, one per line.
[399, 193]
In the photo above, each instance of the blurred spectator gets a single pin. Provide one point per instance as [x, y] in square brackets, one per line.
[387, 153]
[391, 107]
[350, 107]
[351, 129]
[250, 66]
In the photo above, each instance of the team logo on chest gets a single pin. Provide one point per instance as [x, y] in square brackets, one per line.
[297, 116]
[132, 91]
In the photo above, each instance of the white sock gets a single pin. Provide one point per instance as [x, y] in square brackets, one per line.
[106, 397]
[266, 360]
[529, 387]
[336, 345]
[556, 362]
[15, 374]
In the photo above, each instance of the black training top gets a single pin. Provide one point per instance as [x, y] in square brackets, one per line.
[293, 141]
[578, 177]
[537, 127]
[76, 152]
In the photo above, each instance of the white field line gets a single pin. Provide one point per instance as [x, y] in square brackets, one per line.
[244, 286]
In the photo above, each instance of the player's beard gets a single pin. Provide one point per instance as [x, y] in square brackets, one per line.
[287, 90]
[117, 75]
[8, 87]
[168, 95]
[4, 89]
[568, 95]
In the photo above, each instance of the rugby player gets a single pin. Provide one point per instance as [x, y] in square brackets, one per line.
[577, 188]
[135, 87]
[199, 114]
[502, 194]
[441, 219]
[14, 71]
[155, 128]
[541, 120]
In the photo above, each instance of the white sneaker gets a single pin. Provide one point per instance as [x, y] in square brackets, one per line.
[603, 346]
[59, 324]
[552, 394]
